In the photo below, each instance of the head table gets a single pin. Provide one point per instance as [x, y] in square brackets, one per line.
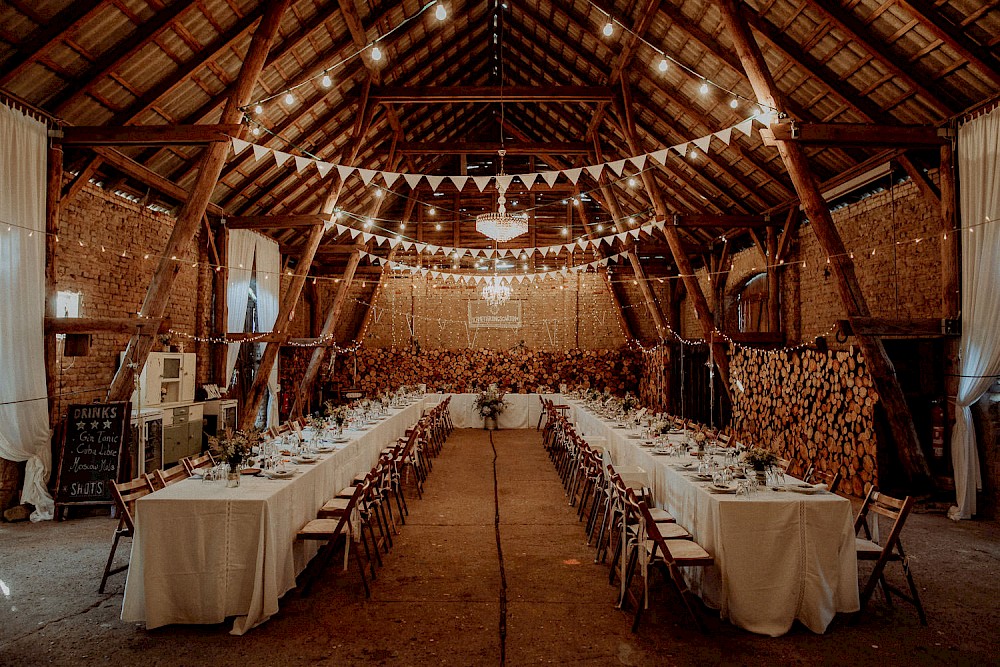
[780, 556]
[522, 410]
[203, 553]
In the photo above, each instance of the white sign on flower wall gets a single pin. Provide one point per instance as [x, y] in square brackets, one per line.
[506, 316]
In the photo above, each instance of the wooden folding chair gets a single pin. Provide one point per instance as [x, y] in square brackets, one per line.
[193, 463]
[334, 523]
[814, 476]
[124, 494]
[890, 549]
[671, 555]
[172, 475]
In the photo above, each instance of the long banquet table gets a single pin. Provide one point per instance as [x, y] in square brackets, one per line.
[779, 556]
[203, 552]
[522, 410]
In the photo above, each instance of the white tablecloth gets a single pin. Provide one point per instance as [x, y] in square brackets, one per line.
[522, 410]
[203, 552]
[779, 556]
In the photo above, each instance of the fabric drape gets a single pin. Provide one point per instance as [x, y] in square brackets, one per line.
[979, 350]
[268, 295]
[24, 414]
[240, 254]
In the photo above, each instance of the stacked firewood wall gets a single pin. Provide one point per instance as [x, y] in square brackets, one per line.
[815, 408]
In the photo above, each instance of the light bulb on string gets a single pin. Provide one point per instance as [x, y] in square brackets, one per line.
[258, 109]
[663, 65]
[733, 103]
[609, 29]
[440, 13]
[376, 53]
[704, 88]
[255, 131]
[631, 182]
[326, 81]
[437, 226]
[289, 99]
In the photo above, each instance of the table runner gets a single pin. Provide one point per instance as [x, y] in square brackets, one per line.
[203, 552]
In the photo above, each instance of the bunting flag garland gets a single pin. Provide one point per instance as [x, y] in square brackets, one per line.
[483, 182]
[475, 279]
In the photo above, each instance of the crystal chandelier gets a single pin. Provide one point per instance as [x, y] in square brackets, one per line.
[495, 293]
[501, 226]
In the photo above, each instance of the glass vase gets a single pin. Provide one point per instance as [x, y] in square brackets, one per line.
[233, 476]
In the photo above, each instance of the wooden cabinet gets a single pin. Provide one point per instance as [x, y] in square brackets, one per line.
[182, 432]
[167, 377]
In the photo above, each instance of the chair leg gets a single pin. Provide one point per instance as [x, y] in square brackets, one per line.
[638, 609]
[111, 559]
[913, 590]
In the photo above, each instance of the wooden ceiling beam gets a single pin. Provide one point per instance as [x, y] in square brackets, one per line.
[861, 134]
[145, 135]
[274, 221]
[489, 148]
[728, 221]
[490, 94]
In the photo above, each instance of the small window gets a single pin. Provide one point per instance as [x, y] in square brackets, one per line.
[67, 304]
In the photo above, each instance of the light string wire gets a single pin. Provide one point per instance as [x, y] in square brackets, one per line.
[704, 79]
[341, 63]
[866, 251]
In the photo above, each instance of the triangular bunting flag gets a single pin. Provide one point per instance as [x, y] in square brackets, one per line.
[394, 242]
[618, 166]
[573, 174]
[595, 171]
[421, 247]
[634, 233]
[583, 243]
[681, 149]
[503, 182]
[366, 236]
[390, 177]
[550, 177]
[301, 163]
[413, 180]
[281, 157]
[380, 240]
[354, 233]
[459, 181]
[341, 229]
[344, 171]
[260, 151]
[528, 179]
[475, 252]
[482, 181]
[367, 175]
[435, 181]
[239, 146]
[660, 156]
[638, 161]
[568, 247]
[703, 143]
[621, 236]
[407, 245]
[725, 136]
[435, 274]
[746, 127]
[489, 252]
[531, 277]
[323, 168]
[432, 249]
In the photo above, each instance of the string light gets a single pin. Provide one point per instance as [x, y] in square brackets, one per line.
[664, 65]
[609, 29]
[703, 89]
[440, 13]
[258, 109]
[289, 99]
[326, 81]
[376, 54]
[733, 103]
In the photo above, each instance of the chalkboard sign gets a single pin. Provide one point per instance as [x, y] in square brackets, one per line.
[91, 452]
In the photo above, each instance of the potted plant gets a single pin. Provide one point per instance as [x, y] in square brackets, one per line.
[234, 447]
[760, 460]
[490, 404]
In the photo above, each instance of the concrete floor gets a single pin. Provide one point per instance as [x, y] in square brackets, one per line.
[438, 598]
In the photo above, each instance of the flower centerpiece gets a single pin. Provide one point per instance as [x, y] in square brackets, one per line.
[316, 422]
[760, 460]
[234, 447]
[338, 414]
[699, 439]
[490, 404]
[630, 402]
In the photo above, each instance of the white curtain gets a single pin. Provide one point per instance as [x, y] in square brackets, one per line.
[979, 350]
[24, 414]
[240, 253]
[268, 295]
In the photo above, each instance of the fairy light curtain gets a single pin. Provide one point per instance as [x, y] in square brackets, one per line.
[24, 413]
[979, 349]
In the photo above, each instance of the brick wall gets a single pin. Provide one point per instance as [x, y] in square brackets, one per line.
[112, 285]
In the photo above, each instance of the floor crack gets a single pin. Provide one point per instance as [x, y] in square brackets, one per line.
[503, 574]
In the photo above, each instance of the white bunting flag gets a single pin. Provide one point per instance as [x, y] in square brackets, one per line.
[550, 177]
[681, 149]
[435, 274]
[260, 151]
[573, 174]
[532, 277]
[475, 252]
[281, 157]
[583, 243]
[746, 127]
[660, 156]
[634, 233]
[354, 233]
[489, 252]
[725, 136]
[432, 249]
[393, 242]
[482, 181]
[703, 143]
[367, 175]
[568, 247]
[618, 166]
[301, 163]
[435, 181]
[413, 180]
[344, 171]
[366, 236]
[503, 182]
[638, 161]
[390, 177]
[239, 146]
[407, 245]
[595, 171]
[528, 179]
[421, 247]
[380, 240]
[660, 224]
[621, 236]
[323, 168]
[459, 181]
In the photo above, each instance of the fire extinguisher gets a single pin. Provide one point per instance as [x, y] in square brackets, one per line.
[937, 429]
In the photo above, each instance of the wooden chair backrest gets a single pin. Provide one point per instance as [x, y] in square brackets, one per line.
[170, 476]
[193, 463]
[831, 479]
[894, 509]
[126, 493]
[653, 533]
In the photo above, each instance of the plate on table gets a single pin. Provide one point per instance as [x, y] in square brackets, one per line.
[279, 474]
[305, 458]
[685, 466]
[661, 452]
[702, 476]
[635, 436]
[722, 488]
[805, 488]
[326, 449]
[250, 471]
[647, 443]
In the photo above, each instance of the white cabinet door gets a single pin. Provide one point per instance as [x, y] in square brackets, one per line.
[188, 375]
[150, 379]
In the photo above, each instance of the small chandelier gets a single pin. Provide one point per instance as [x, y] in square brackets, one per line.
[495, 293]
[501, 226]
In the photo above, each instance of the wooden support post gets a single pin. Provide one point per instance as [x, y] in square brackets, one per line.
[220, 312]
[796, 163]
[212, 161]
[949, 244]
[53, 197]
[773, 284]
